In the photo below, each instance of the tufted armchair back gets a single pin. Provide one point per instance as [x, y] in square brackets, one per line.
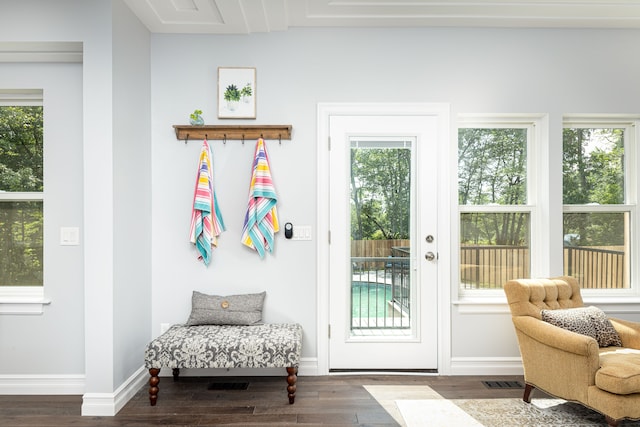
[527, 297]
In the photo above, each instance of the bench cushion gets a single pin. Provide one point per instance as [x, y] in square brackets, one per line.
[268, 345]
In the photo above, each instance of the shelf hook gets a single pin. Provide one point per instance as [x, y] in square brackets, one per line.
[280, 139]
[206, 136]
[186, 139]
[243, 139]
[224, 140]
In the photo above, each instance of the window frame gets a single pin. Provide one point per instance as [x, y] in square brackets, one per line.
[22, 299]
[631, 124]
[534, 124]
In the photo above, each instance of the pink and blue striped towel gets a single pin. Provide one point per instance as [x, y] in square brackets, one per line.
[206, 218]
[261, 219]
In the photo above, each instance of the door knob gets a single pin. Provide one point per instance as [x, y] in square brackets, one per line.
[430, 256]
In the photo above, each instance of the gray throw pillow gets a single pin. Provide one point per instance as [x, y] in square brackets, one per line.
[226, 310]
[590, 321]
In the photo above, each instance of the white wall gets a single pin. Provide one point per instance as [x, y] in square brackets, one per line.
[132, 190]
[27, 341]
[112, 306]
[475, 70]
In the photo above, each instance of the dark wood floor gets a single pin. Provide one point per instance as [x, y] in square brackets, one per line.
[335, 400]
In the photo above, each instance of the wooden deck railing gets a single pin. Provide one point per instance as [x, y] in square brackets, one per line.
[489, 267]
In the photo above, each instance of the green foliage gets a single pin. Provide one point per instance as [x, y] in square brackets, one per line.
[492, 169]
[232, 93]
[593, 173]
[21, 170]
[492, 166]
[593, 166]
[380, 193]
[246, 90]
[21, 149]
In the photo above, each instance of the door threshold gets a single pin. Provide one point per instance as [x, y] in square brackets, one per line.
[387, 371]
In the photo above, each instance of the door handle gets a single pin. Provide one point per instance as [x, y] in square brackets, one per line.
[430, 256]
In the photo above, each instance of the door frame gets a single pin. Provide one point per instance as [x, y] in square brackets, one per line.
[446, 184]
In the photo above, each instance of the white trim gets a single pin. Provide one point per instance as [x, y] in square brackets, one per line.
[486, 366]
[17, 196]
[22, 300]
[109, 404]
[41, 52]
[41, 384]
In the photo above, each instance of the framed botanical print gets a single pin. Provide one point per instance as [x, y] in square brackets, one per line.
[236, 93]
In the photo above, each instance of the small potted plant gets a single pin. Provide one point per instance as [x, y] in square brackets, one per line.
[195, 118]
[246, 93]
[232, 96]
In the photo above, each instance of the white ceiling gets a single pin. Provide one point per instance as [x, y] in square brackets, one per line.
[259, 16]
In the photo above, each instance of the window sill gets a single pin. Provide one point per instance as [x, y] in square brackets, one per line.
[23, 300]
[498, 305]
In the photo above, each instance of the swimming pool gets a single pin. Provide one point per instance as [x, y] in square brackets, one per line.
[370, 300]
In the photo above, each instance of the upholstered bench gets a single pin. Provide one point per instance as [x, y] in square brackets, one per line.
[225, 346]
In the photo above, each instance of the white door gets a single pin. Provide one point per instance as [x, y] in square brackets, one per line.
[383, 252]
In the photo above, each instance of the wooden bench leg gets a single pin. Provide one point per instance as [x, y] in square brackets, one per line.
[292, 379]
[153, 385]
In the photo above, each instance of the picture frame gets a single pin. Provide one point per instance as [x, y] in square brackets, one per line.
[237, 92]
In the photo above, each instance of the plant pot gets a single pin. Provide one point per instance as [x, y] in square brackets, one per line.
[198, 121]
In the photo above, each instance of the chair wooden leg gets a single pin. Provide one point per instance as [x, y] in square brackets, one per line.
[611, 422]
[528, 388]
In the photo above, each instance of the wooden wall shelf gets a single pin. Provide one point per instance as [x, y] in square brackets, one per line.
[235, 132]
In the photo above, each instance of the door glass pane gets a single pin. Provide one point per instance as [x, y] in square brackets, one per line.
[380, 205]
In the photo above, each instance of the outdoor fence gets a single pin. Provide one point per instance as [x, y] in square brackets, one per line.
[381, 275]
[489, 267]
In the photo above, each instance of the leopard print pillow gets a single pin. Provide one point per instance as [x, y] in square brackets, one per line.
[589, 321]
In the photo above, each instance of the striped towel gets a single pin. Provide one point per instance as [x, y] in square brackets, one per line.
[206, 219]
[261, 220]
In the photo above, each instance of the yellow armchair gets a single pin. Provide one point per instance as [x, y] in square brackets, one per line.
[570, 365]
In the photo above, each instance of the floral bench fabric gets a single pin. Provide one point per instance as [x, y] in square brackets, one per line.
[267, 345]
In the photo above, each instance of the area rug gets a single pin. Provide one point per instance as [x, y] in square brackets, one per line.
[420, 406]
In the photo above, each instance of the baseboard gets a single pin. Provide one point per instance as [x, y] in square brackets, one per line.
[308, 367]
[486, 366]
[108, 404]
[42, 384]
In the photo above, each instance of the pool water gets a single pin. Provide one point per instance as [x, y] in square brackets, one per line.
[370, 299]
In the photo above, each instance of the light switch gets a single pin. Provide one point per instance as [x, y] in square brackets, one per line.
[69, 236]
[301, 232]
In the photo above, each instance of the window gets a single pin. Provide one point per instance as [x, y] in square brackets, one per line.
[21, 189]
[494, 201]
[598, 195]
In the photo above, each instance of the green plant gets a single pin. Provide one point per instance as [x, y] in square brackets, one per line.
[195, 114]
[232, 93]
[246, 91]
